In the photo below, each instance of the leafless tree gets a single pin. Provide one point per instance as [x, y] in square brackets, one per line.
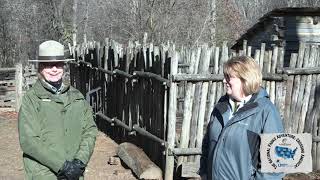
[162, 20]
[26, 23]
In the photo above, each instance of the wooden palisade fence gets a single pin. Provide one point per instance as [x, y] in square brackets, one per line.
[127, 91]
[161, 98]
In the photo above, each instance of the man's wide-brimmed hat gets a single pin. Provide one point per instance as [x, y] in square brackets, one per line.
[51, 51]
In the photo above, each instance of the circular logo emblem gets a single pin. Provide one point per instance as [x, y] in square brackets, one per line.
[285, 150]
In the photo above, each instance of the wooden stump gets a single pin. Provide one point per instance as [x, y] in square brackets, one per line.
[139, 162]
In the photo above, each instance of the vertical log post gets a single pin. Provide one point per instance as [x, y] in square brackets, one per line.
[262, 53]
[273, 71]
[19, 84]
[244, 47]
[187, 106]
[316, 132]
[315, 126]
[213, 86]
[204, 69]
[280, 86]
[171, 119]
[249, 51]
[223, 58]
[287, 120]
[307, 91]
[163, 51]
[296, 83]
[128, 83]
[312, 103]
[257, 56]
[266, 69]
[299, 85]
[195, 109]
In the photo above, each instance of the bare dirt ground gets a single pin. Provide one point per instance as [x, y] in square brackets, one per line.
[99, 167]
[11, 167]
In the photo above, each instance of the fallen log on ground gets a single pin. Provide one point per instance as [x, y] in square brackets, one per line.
[138, 162]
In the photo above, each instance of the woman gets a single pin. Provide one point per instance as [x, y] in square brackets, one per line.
[57, 132]
[230, 147]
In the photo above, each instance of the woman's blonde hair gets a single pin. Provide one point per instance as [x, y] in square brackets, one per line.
[247, 70]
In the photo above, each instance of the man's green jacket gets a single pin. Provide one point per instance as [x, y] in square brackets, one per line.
[54, 128]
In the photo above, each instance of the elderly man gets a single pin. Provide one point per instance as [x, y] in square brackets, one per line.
[56, 128]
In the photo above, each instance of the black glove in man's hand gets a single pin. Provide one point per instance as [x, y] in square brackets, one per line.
[70, 171]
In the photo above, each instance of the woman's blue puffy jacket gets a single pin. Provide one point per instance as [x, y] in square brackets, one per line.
[230, 148]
